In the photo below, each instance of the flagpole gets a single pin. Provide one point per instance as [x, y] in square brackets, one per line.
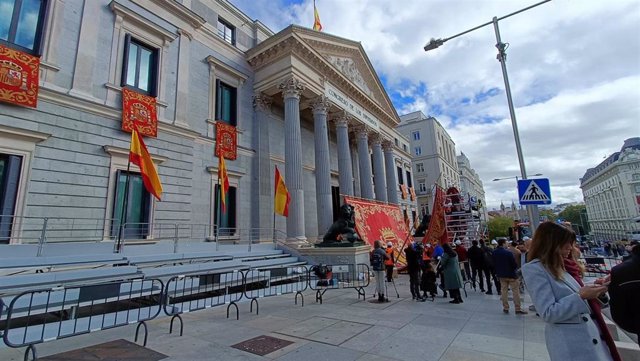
[219, 196]
[123, 212]
[275, 167]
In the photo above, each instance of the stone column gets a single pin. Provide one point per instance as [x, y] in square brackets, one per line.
[262, 189]
[390, 167]
[353, 148]
[291, 90]
[345, 171]
[378, 169]
[323, 166]
[366, 187]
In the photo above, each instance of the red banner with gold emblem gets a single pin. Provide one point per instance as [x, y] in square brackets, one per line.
[380, 221]
[19, 73]
[226, 140]
[413, 193]
[437, 231]
[403, 190]
[139, 109]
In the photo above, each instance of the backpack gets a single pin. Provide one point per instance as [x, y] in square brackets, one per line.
[377, 260]
[487, 256]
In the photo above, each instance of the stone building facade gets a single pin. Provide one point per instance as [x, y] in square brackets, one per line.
[433, 155]
[611, 192]
[471, 184]
[305, 101]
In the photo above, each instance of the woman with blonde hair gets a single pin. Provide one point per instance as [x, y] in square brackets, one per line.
[571, 333]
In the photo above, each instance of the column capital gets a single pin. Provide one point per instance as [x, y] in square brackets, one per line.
[291, 88]
[376, 139]
[362, 131]
[342, 119]
[387, 145]
[262, 102]
[320, 104]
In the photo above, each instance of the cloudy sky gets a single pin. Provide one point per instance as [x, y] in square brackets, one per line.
[574, 70]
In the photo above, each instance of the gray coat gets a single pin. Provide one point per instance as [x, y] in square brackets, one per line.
[571, 333]
[451, 270]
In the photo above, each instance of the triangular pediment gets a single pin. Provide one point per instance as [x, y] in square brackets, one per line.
[349, 58]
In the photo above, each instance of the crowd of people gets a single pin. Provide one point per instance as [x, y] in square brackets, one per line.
[549, 266]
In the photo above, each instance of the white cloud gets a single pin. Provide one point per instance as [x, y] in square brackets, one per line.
[577, 62]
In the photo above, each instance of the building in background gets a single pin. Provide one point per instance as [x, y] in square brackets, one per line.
[471, 186]
[611, 192]
[306, 101]
[434, 155]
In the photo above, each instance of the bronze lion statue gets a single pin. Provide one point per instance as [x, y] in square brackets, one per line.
[342, 230]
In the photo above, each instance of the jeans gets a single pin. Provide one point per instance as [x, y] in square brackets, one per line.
[380, 282]
[414, 283]
[477, 271]
[389, 272]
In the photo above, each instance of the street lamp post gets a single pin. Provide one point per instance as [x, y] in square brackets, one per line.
[515, 176]
[532, 210]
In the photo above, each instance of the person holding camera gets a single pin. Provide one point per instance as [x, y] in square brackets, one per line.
[377, 258]
[564, 303]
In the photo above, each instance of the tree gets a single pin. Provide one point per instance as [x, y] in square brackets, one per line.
[551, 216]
[499, 226]
[572, 213]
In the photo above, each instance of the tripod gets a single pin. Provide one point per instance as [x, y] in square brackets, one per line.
[394, 287]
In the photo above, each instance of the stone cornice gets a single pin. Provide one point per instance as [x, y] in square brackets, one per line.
[141, 21]
[30, 135]
[215, 62]
[182, 12]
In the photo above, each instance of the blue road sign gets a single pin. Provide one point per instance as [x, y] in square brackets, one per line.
[534, 191]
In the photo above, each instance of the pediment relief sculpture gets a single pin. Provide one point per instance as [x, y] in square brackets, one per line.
[348, 67]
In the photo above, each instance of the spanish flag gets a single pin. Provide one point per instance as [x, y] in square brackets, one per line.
[281, 198]
[139, 155]
[316, 18]
[223, 182]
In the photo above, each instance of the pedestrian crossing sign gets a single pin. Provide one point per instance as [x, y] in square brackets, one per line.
[534, 191]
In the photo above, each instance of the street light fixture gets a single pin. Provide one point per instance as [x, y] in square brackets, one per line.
[532, 210]
[516, 177]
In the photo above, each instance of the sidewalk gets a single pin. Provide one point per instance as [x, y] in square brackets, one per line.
[342, 328]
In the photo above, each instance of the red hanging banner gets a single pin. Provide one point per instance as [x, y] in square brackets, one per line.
[380, 221]
[139, 109]
[403, 189]
[19, 74]
[437, 232]
[226, 140]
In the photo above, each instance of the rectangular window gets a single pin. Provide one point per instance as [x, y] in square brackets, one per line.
[418, 150]
[226, 98]
[228, 218]
[404, 147]
[21, 23]
[227, 32]
[422, 187]
[395, 140]
[335, 202]
[409, 184]
[9, 180]
[400, 179]
[420, 167]
[637, 187]
[136, 220]
[416, 135]
[140, 66]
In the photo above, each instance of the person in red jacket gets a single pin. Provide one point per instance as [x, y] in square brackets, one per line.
[389, 262]
[462, 258]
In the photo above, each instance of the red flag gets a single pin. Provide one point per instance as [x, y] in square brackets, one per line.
[281, 198]
[437, 231]
[223, 182]
[139, 155]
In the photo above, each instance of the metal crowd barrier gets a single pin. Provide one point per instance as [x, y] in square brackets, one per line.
[38, 316]
[275, 281]
[339, 277]
[201, 291]
[599, 266]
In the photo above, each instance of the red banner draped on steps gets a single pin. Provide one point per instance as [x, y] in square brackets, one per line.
[380, 221]
[437, 231]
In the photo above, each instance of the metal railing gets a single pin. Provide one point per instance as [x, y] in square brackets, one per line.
[201, 291]
[275, 281]
[37, 316]
[354, 276]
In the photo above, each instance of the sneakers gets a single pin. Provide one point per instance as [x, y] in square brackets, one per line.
[488, 293]
[507, 311]
[521, 312]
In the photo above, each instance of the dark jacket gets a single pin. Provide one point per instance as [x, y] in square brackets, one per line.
[504, 263]
[474, 254]
[624, 293]
[413, 264]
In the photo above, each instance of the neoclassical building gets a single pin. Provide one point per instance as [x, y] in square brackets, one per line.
[611, 192]
[307, 102]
